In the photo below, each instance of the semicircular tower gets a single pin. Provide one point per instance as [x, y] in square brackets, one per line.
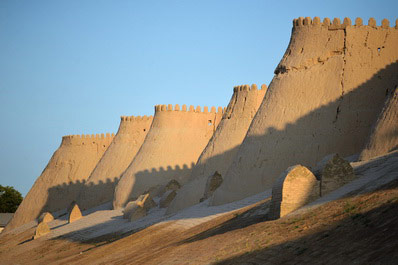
[222, 147]
[173, 144]
[101, 183]
[326, 93]
[62, 179]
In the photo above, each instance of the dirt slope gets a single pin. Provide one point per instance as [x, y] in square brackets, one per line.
[361, 229]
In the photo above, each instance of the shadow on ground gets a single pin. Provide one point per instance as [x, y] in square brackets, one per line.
[375, 85]
[369, 237]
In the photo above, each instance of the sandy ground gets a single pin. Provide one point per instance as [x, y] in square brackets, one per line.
[355, 224]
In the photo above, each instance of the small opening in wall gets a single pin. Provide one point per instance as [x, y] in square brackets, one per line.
[104, 145]
[210, 122]
[144, 130]
[378, 50]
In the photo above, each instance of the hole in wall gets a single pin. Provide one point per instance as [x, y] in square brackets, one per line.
[144, 130]
[210, 122]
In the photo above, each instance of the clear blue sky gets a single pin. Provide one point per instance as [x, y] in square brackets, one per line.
[73, 67]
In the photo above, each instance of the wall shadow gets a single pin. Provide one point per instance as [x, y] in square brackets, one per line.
[306, 144]
[61, 196]
[291, 137]
[374, 84]
[162, 174]
[175, 172]
[384, 167]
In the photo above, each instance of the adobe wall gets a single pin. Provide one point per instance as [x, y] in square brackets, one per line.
[326, 93]
[57, 186]
[175, 140]
[125, 145]
[384, 136]
[222, 147]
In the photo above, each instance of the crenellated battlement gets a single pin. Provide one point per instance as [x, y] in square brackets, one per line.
[253, 87]
[136, 118]
[191, 108]
[89, 136]
[337, 24]
[81, 139]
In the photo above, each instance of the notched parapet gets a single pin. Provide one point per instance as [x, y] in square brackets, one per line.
[385, 24]
[81, 139]
[307, 21]
[253, 87]
[372, 22]
[192, 108]
[316, 21]
[347, 21]
[136, 118]
[336, 24]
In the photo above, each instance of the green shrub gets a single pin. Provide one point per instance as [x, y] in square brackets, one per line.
[10, 199]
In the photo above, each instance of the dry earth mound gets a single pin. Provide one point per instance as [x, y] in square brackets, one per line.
[326, 94]
[101, 184]
[63, 177]
[174, 142]
[222, 147]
